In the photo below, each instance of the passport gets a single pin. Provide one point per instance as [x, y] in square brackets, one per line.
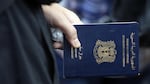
[109, 49]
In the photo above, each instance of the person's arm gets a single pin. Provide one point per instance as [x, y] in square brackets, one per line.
[63, 19]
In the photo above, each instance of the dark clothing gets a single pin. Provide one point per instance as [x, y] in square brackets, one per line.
[128, 10]
[5, 4]
[135, 10]
[26, 54]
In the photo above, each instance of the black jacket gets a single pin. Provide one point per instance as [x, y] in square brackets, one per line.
[6, 3]
[26, 52]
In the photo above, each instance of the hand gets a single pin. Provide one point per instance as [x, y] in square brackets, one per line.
[63, 19]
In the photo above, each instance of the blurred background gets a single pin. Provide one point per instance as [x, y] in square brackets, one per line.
[103, 11]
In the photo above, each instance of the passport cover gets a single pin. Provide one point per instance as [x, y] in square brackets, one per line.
[109, 49]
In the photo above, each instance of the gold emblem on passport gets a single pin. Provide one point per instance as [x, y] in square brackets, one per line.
[104, 51]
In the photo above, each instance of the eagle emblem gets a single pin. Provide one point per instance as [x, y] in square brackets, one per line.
[104, 51]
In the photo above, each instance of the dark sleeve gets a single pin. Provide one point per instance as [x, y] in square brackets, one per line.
[43, 1]
[46, 1]
[5, 4]
[35, 3]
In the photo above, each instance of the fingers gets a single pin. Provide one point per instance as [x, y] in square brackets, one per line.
[70, 32]
[63, 19]
[57, 45]
[72, 17]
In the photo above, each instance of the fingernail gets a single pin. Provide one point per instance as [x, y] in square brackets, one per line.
[76, 43]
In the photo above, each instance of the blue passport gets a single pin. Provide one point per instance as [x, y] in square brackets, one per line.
[109, 49]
